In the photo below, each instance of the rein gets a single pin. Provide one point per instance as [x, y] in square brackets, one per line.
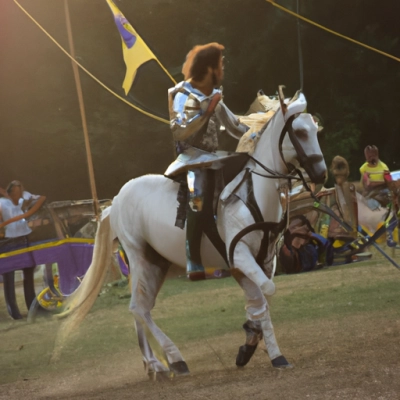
[266, 228]
[275, 174]
[287, 128]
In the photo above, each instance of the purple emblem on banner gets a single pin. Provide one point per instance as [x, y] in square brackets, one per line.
[128, 37]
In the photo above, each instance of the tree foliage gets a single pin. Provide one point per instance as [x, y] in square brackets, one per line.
[353, 89]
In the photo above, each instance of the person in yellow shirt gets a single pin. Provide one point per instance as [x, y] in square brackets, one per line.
[374, 177]
[374, 172]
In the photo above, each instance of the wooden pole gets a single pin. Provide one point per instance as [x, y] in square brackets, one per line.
[83, 115]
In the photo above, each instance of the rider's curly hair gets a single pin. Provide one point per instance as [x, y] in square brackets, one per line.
[200, 58]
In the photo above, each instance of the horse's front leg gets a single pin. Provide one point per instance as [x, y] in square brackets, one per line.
[245, 262]
[235, 217]
[258, 325]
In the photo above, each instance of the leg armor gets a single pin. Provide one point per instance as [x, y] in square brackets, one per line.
[196, 181]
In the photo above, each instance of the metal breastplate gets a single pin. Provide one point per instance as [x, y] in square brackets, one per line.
[207, 139]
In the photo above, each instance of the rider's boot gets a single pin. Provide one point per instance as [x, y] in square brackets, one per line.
[194, 233]
[182, 205]
[194, 224]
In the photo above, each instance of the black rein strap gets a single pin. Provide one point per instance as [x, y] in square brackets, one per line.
[266, 227]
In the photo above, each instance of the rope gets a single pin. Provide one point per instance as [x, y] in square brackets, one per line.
[331, 31]
[301, 64]
[87, 72]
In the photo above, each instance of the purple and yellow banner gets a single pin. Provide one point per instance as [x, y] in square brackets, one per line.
[135, 50]
[72, 255]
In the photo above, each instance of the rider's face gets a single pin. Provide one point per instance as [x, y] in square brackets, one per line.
[218, 73]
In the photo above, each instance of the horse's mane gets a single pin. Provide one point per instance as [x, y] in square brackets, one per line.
[263, 103]
[260, 112]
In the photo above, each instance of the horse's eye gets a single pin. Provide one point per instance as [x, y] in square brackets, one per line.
[301, 134]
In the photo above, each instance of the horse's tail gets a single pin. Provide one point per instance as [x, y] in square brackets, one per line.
[82, 300]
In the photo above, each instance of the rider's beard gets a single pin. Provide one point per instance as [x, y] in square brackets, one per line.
[216, 82]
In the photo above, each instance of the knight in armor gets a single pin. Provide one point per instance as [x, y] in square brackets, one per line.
[197, 112]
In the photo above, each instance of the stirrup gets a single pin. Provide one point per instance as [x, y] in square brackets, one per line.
[195, 272]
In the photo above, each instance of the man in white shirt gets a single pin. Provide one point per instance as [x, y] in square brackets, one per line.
[13, 210]
[12, 217]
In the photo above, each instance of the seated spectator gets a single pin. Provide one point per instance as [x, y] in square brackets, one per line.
[373, 172]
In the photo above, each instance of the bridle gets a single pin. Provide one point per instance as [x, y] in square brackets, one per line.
[304, 160]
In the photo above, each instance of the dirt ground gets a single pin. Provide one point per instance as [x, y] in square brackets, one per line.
[360, 363]
[356, 356]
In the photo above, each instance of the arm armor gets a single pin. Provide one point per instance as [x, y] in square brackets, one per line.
[183, 129]
[187, 115]
[230, 121]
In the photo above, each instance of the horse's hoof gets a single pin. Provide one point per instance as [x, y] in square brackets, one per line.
[180, 368]
[245, 353]
[160, 376]
[281, 363]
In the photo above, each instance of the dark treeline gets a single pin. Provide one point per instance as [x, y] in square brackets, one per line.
[354, 90]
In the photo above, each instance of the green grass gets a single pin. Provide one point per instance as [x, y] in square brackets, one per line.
[337, 302]
[191, 311]
[188, 311]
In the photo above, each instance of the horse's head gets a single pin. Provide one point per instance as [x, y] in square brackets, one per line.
[299, 140]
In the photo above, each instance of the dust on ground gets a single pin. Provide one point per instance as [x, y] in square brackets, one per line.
[357, 360]
[355, 356]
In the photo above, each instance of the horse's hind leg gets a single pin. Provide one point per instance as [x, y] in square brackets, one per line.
[148, 271]
[258, 325]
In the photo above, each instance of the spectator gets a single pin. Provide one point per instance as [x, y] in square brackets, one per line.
[12, 217]
[13, 212]
[373, 171]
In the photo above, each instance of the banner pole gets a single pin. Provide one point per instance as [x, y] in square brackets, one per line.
[82, 110]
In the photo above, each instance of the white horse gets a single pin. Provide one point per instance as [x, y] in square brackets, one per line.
[142, 218]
